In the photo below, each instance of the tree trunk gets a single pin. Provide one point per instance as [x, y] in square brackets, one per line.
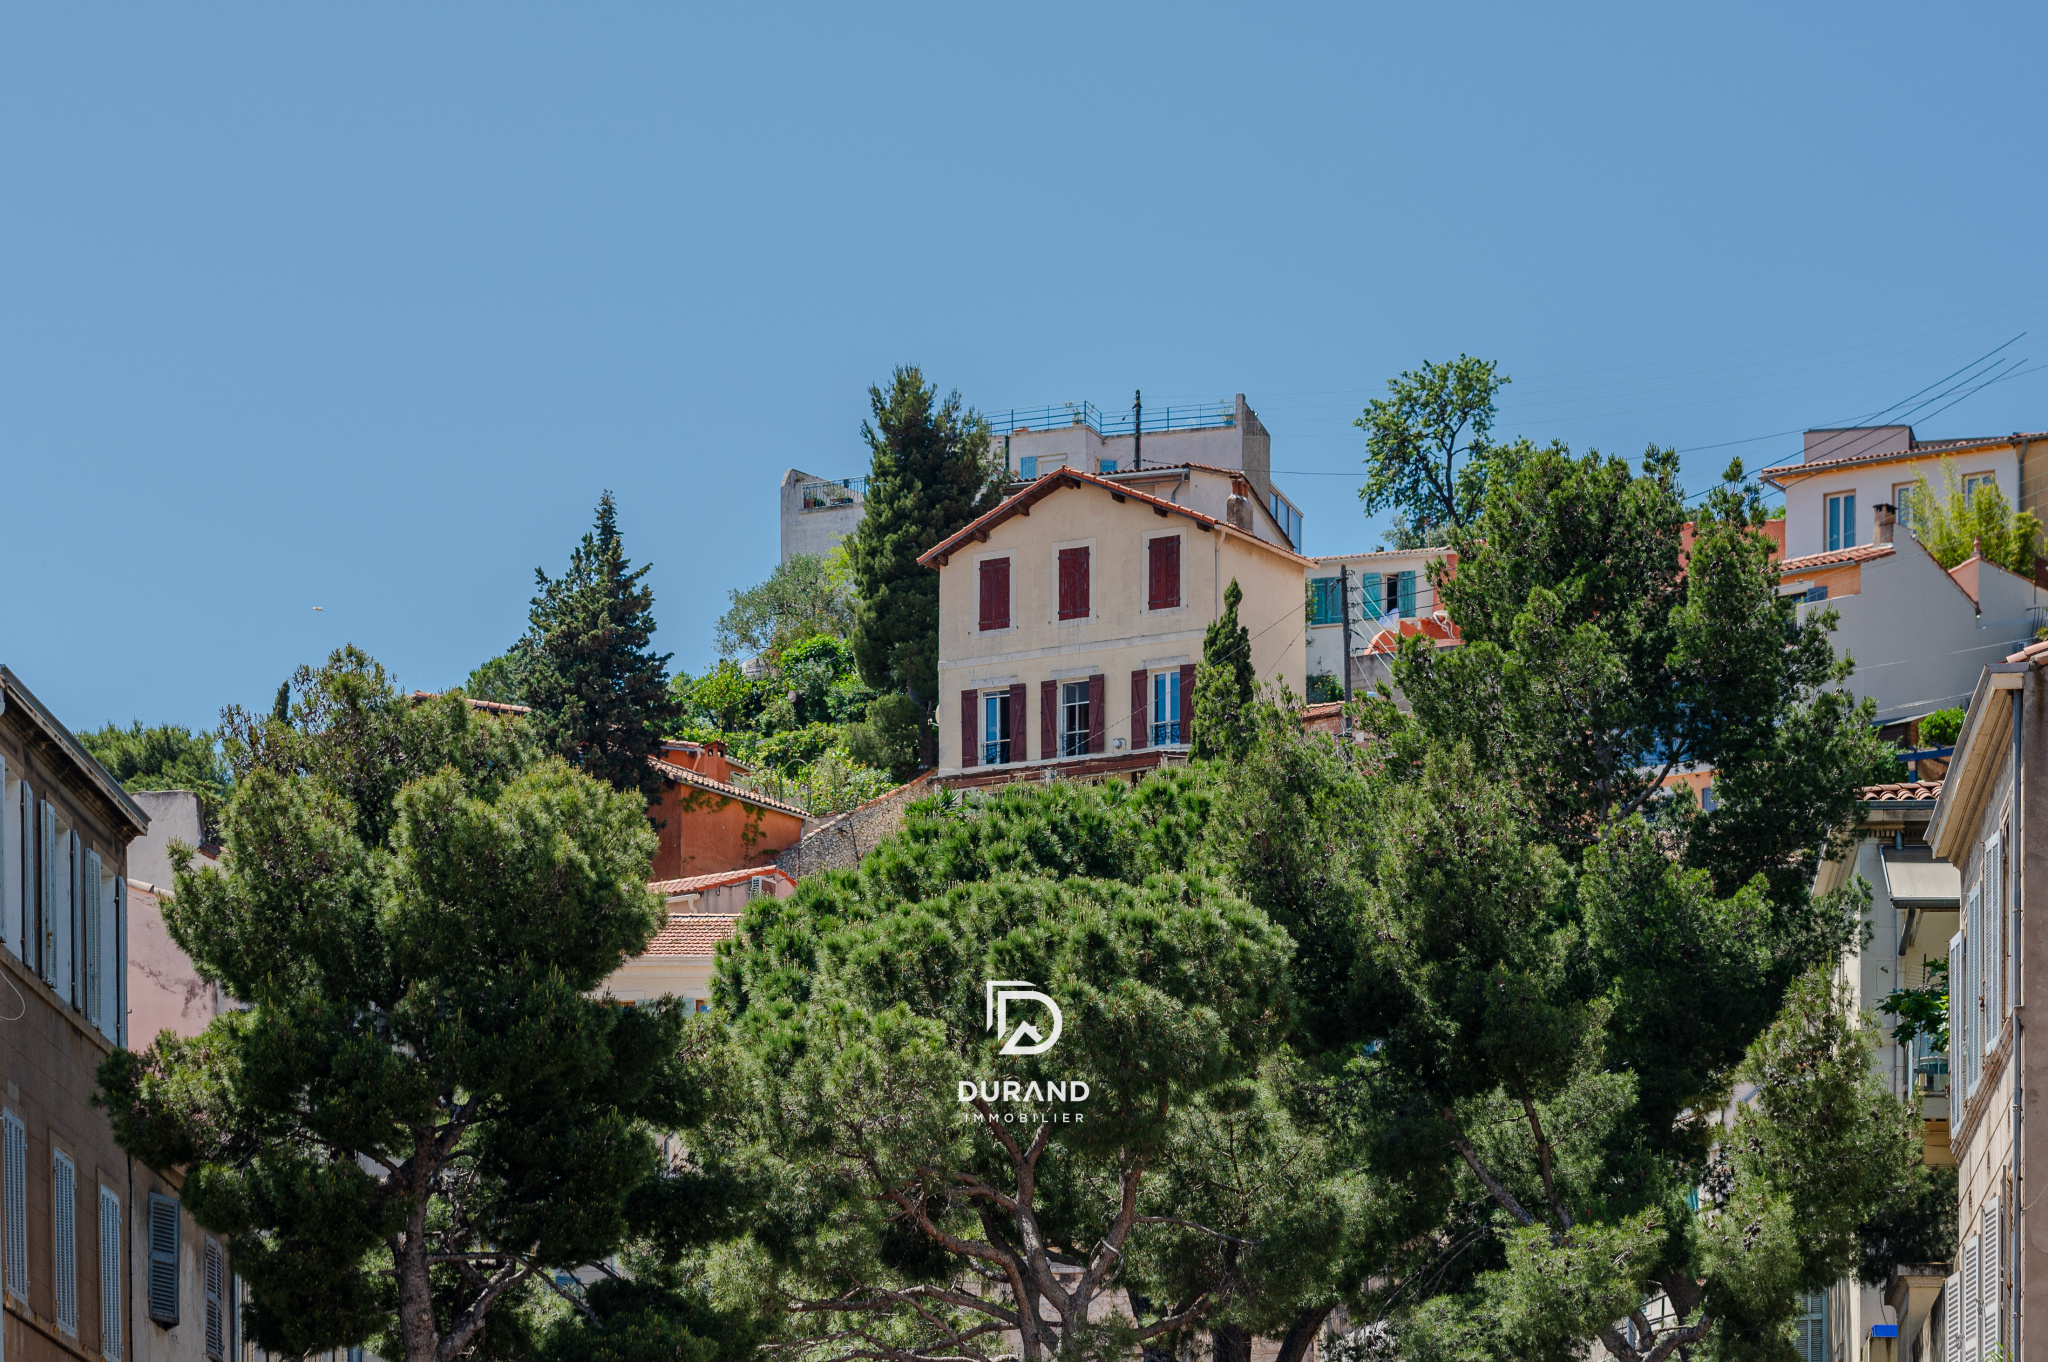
[1301, 1334]
[1232, 1343]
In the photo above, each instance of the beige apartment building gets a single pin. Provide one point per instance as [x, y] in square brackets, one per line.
[1072, 615]
[1991, 802]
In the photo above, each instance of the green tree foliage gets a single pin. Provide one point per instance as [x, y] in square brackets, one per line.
[1941, 728]
[1415, 436]
[807, 595]
[1953, 525]
[163, 757]
[931, 474]
[904, 1216]
[503, 678]
[1922, 1011]
[660, 1312]
[424, 1107]
[1225, 684]
[1531, 975]
[600, 696]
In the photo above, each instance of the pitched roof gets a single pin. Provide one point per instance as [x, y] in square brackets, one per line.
[1905, 791]
[695, 934]
[1862, 553]
[1061, 478]
[717, 879]
[683, 775]
[1919, 449]
[2036, 653]
[486, 706]
[1328, 559]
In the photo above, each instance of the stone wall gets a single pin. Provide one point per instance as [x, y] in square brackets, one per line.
[839, 842]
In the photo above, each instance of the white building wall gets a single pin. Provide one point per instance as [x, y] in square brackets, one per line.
[1806, 524]
[816, 531]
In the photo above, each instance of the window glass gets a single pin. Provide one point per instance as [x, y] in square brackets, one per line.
[1972, 481]
[1841, 521]
[995, 727]
[1166, 706]
[1027, 466]
[1074, 718]
[1902, 501]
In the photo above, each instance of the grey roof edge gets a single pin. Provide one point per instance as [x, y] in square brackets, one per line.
[11, 688]
[1965, 745]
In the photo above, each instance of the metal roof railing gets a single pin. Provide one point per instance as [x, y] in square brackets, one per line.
[826, 496]
[1158, 420]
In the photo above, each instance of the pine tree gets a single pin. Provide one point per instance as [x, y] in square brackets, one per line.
[600, 697]
[1225, 684]
[423, 1107]
[930, 476]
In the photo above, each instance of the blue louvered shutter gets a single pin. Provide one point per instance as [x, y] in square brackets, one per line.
[163, 1260]
[1408, 595]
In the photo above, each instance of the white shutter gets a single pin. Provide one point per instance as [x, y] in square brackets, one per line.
[64, 1238]
[14, 1160]
[74, 976]
[1972, 1316]
[1990, 1275]
[1994, 941]
[1973, 997]
[110, 1275]
[10, 857]
[1958, 987]
[1952, 1318]
[91, 946]
[46, 890]
[120, 963]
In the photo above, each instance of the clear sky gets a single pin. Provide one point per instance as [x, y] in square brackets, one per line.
[362, 306]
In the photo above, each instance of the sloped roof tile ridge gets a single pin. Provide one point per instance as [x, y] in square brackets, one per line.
[715, 879]
[1861, 553]
[683, 775]
[2036, 653]
[1900, 790]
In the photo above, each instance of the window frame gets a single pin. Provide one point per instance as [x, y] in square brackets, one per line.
[1327, 601]
[1902, 504]
[1165, 690]
[996, 751]
[1838, 521]
[1972, 481]
[1073, 741]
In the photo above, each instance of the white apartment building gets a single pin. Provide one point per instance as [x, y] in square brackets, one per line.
[1831, 495]
[1391, 598]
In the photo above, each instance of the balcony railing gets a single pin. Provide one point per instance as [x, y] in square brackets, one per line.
[1199, 416]
[826, 496]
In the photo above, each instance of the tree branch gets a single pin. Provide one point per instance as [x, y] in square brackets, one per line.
[1490, 1182]
[1543, 1159]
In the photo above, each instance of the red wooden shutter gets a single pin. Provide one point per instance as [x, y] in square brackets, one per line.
[970, 732]
[1187, 702]
[1073, 584]
[1097, 692]
[1018, 745]
[1048, 718]
[995, 593]
[1140, 683]
[1165, 565]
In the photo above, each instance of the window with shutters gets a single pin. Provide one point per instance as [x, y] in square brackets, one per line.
[110, 1275]
[1810, 1327]
[1027, 466]
[1166, 708]
[1325, 604]
[1971, 1317]
[64, 1238]
[163, 1260]
[995, 727]
[1075, 718]
[90, 919]
[1995, 939]
[1073, 583]
[1972, 999]
[14, 1174]
[1162, 573]
[1841, 514]
[10, 857]
[216, 1301]
[995, 594]
[1990, 1276]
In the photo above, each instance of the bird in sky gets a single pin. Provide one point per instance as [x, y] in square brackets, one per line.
[319, 607]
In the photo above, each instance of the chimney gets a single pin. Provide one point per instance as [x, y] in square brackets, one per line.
[1237, 512]
[1882, 519]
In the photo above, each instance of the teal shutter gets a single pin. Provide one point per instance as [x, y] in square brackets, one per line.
[1369, 591]
[1407, 594]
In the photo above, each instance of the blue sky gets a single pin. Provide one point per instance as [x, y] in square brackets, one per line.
[362, 306]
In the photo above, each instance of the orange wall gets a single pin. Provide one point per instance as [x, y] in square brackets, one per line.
[702, 832]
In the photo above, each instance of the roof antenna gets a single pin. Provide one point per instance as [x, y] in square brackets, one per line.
[1137, 428]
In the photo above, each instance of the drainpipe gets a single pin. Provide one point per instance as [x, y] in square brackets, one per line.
[2017, 840]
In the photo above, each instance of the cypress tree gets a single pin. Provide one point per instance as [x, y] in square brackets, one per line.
[1225, 683]
[929, 477]
[600, 696]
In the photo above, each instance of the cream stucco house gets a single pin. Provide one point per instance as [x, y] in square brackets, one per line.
[702, 911]
[1071, 618]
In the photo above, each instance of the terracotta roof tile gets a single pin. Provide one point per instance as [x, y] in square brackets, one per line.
[2036, 653]
[1920, 449]
[487, 706]
[695, 934]
[1862, 553]
[1902, 792]
[683, 775]
[1059, 478]
[697, 884]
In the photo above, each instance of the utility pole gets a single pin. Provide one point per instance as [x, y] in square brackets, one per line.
[1137, 428]
[1344, 605]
